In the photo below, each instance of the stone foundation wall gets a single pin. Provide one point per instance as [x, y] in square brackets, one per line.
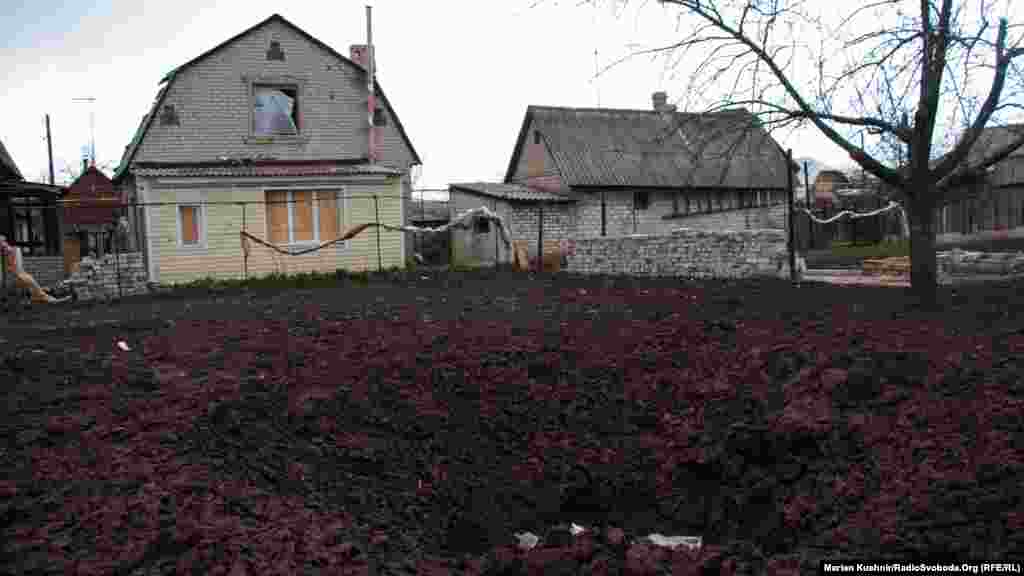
[47, 270]
[98, 278]
[684, 253]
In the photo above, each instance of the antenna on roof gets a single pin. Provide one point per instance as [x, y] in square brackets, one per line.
[92, 126]
[596, 82]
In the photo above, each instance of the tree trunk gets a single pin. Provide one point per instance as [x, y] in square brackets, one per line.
[923, 263]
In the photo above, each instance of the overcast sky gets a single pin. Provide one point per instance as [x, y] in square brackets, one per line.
[460, 74]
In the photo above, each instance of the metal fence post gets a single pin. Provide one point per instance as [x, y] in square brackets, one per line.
[245, 253]
[540, 237]
[789, 188]
[3, 275]
[380, 257]
[117, 258]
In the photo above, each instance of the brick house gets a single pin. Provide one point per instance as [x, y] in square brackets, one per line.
[92, 210]
[611, 172]
[279, 120]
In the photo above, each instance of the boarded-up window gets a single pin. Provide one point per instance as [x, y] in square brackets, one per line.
[302, 217]
[328, 209]
[277, 216]
[188, 218]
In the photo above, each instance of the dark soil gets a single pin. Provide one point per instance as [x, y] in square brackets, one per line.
[413, 425]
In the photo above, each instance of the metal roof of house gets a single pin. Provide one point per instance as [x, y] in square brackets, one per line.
[267, 168]
[510, 192]
[8, 163]
[646, 148]
[147, 120]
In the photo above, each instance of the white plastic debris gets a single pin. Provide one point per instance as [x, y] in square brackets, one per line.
[691, 542]
[121, 344]
[576, 529]
[527, 540]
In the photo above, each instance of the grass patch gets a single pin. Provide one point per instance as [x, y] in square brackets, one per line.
[278, 281]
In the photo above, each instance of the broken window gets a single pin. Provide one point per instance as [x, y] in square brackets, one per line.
[275, 52]
[275, 110]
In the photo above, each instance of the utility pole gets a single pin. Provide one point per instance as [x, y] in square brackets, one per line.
[49, 147]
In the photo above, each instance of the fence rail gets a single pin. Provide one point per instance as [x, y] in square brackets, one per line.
[206, 238]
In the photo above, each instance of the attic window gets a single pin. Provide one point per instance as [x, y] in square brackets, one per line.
[275, 110]
[379, 119]
[168, 117]
[275, 52]
[536, 136]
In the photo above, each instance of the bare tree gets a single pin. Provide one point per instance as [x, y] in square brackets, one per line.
[922, 79]
[66, 172]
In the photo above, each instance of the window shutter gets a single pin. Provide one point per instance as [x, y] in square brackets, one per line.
[189, 224]
[328, 205]
[302, 216]
[277, 216]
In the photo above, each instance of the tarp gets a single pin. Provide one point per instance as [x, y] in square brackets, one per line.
[273, 113]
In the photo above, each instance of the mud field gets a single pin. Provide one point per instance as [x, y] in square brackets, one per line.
[415, 424]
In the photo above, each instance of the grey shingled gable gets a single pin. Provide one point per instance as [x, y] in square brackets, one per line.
[166, 81]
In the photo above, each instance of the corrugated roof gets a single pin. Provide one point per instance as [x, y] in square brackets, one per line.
[8, 163]
[645, 148]
[261, 169]
[147, 120]
[510, 192]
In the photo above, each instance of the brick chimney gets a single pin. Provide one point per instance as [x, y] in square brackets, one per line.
[660, 100]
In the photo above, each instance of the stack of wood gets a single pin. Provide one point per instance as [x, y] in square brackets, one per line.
[896, 266]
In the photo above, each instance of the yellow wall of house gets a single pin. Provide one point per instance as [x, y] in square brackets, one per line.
[220, 253]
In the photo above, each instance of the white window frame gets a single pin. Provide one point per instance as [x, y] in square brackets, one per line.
[291, 190]
[201, 243]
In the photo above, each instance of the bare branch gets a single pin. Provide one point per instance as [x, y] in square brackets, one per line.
[886, 174]
[959, 153]
[949, 181]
